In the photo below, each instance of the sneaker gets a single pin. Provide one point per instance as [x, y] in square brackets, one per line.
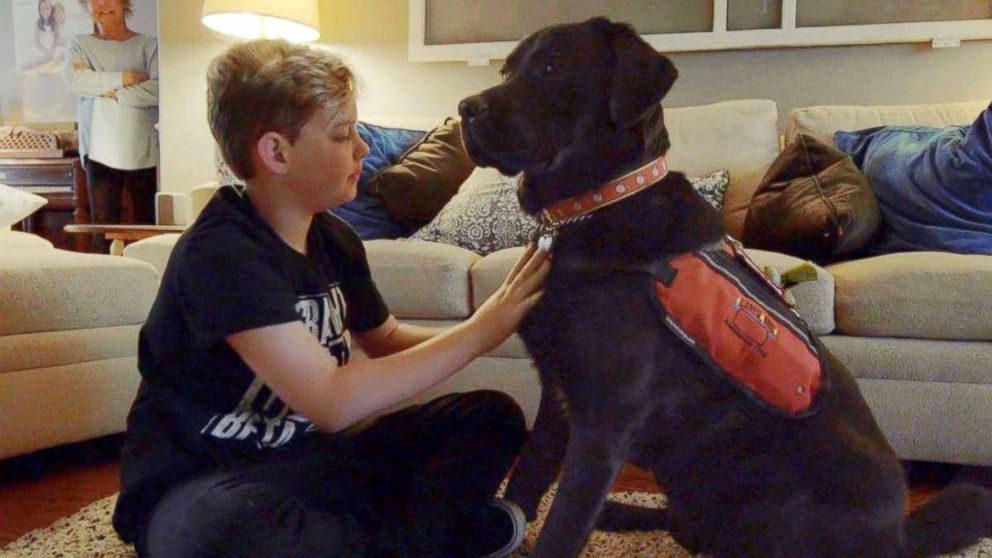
[498, 530]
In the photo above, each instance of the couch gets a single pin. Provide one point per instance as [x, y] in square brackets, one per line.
[68, 341]
[914, 328]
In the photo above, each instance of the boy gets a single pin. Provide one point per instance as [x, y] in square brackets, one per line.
[248, 436]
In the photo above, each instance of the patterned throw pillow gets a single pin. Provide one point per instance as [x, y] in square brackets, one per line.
[485, 215]
[713, 187]
[17, 204]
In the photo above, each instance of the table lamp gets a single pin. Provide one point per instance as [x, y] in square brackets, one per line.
[297, 21]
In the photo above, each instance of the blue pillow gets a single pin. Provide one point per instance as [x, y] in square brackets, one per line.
[365, 213]
[386, 145]
[934, 185]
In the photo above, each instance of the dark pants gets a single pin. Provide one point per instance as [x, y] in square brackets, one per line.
[397, 487]
[106, 188]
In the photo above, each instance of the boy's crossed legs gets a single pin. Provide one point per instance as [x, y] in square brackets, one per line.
[414, 483]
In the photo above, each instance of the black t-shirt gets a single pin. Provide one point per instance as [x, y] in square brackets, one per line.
[199, 406]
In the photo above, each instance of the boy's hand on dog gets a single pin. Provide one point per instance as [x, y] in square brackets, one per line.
[500, 315]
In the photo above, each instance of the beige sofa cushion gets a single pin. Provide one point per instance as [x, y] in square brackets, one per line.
[740, 136]
[17, 240]
[814, 299]
[154, 250]
[30, 351]
[53, 290]
[914, 360]
[420, 279]
[823, 121]
[923, 295]
[489, 272]
[54, 405]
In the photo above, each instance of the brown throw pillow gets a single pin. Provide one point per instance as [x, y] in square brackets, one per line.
[813, 203]
[415, 189]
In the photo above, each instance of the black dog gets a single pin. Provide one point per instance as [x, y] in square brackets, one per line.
[579, 107]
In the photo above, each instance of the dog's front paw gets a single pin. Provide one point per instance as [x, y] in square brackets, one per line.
[527, 498]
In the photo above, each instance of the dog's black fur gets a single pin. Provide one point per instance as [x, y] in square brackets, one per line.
[580, 104]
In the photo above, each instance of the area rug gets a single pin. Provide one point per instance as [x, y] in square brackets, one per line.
[87, 534]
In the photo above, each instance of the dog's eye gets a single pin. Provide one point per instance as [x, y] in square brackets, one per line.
[504, 73]
[549, 69]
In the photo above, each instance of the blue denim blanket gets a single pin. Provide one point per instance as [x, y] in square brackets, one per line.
[366, 213]
[934, 185]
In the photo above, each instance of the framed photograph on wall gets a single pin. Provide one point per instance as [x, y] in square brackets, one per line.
[42, 29]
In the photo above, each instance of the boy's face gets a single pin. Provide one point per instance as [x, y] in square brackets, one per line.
[326, 158]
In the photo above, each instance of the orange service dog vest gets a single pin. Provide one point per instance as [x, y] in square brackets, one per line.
[721, 305]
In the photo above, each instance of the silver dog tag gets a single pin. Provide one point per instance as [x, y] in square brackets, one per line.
[545, 241]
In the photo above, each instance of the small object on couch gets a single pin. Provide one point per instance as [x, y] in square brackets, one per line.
[773, 275]
[801, 273]
[789, 278]
[812, 203]
[425, 178]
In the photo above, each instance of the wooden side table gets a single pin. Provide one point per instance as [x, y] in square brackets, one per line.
[119, 235]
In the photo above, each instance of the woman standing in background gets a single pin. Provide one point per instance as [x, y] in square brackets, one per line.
[115, 73]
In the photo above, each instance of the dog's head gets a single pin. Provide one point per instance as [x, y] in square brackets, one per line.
[578, 103]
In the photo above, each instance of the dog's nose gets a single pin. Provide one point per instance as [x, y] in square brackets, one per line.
[471, 107]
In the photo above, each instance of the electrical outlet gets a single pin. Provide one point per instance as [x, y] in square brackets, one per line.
[945, 42]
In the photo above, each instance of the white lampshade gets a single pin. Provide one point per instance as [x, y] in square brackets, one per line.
[294, 20]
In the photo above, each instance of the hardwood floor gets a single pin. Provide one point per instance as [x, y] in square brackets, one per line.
[38, 489]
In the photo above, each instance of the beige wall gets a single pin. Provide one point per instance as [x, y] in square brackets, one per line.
[372, 35]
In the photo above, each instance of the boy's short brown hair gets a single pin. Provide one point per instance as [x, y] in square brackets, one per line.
[266, 86]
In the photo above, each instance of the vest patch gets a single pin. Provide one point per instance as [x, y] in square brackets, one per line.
[720, 305]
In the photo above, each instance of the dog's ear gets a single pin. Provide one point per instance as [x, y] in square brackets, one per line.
[641, 77]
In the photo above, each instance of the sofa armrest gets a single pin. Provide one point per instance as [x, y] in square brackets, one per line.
[17, 240]
[421, 279]
[154, 250]
[814, 299]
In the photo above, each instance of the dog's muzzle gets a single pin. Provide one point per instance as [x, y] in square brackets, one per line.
[492, 140]
[472, 107]
[474, 110]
